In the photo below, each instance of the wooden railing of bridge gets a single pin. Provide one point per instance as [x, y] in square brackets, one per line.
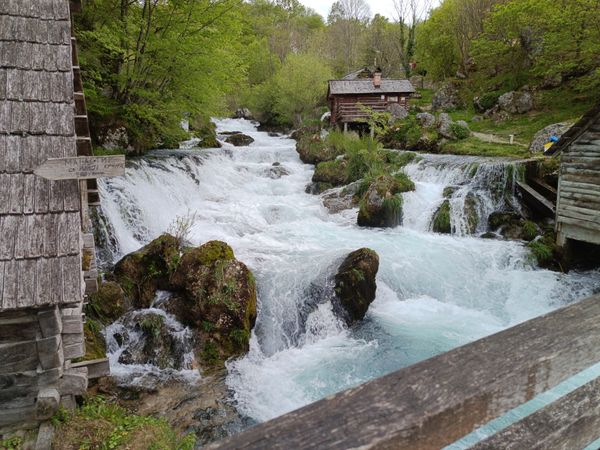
[438, 401]
[352, 112]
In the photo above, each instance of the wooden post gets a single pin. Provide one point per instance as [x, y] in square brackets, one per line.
[345, 127]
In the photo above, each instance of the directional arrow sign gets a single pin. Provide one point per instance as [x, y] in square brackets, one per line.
[82, 167]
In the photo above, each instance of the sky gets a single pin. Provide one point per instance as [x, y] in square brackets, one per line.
[383, 7]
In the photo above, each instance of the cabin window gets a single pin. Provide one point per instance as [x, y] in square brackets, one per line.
[393, 99]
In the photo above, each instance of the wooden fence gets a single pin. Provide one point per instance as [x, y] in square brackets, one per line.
[438, 401]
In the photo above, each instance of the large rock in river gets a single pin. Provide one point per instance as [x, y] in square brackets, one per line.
[355, 284]
[142, 273]
[219, 300]
[381, 204]
[239, 140]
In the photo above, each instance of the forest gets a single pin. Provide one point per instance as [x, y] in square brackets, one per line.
[149, 64]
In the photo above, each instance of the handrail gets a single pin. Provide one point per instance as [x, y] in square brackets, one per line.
[438, 401]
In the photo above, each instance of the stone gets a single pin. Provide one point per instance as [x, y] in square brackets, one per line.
[45, 436]
[48, 400]
[381, 205]
[313, 149]
[516, 102]
[543, 136]
[355, 284]
[276, 171]
[476, 119]
[444, 126]
[397, 111]
[340, 199]
[239, 140]
[446, 98]
[441, 219]
[109, 303]
[463, 124]
[114, 137]
[243, 113]
[426, 120]
[142, 273]
[219, 300]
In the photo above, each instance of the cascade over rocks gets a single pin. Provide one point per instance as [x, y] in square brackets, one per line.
[355, 284]
[157, 344]
[217, 292]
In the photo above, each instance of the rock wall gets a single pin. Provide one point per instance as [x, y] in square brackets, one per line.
[37, 374]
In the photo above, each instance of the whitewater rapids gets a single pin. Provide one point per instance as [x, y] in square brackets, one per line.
[435, 292]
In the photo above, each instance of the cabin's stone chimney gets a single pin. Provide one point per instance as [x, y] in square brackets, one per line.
[377, 78]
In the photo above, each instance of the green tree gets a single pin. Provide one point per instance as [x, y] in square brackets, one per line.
[300, 86]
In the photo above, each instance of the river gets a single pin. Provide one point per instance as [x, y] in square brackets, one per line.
[435, 292]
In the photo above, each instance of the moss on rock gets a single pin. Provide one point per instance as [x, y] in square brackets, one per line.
[331, 172]
[381, 203]
[441, 219]
[142, 273]
[355, 284]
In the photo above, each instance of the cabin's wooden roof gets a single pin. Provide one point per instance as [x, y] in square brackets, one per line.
[40, 260]
[366, 86]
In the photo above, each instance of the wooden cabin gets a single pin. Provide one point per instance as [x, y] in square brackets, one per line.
[578, 204]
[47, 253]
[351, 98]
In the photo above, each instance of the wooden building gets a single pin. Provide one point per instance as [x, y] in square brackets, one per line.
[46, 247]
[578, 204]
[351, 98]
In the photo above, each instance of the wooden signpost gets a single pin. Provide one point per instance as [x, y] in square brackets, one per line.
[82, 167]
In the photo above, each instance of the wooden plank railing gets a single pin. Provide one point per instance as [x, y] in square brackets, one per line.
[436, 402]
[351, 112]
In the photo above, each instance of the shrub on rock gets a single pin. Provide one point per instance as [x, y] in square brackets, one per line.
[381, 204]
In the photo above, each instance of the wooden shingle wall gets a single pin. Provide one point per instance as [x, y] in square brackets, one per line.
[40, 245]
[578, 208]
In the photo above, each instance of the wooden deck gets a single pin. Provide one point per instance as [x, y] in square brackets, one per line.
[436, 402]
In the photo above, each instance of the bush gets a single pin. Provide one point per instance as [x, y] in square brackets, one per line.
[459, 131]
[487, 101]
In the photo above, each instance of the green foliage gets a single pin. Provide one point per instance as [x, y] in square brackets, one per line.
[100, 424]
[489, 100]
[101, 151]
[332, 172]
[477, 147]
[13, 443]
[530, 230]
[153, 325]
[392, 207]
[299, 87]
[542, 250]
[441, 220]
[459, 131]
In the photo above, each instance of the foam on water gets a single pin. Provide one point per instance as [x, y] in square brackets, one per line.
[435, 292]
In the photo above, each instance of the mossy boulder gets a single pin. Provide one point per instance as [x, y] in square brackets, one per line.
[108, 304]
[314, 150]
[471, 211]
[142, 273]
[239, 140]
[441, 219]
[355, 284]
[511, 225]
[332, 172]
[381, 203]
[219, 300]
[205, 130]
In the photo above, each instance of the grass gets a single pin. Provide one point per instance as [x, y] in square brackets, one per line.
[99, 424]
[476, 147]
[101, 151]
[426, 98]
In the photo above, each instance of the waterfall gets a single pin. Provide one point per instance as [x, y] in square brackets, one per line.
[435, 292]
[475, 187]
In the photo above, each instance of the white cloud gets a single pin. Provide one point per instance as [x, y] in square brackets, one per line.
[383, 7]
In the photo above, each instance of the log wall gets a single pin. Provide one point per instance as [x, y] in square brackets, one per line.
[578, 207]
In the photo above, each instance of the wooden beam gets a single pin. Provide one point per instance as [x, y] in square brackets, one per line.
[434, 403]
[82, 167]
[570, 422]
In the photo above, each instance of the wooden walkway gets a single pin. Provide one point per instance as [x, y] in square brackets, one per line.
[436, 402]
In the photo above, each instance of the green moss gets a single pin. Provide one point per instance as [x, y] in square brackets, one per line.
[331, 172]
[441, 220]
[459, 131]
[13, 443]
[101, 151]
[212, 252]
[392, 208]
[103, 425]
[476, 147]
[152, 325]
[210, 354]
[95, 345]
[530, 230]
[240, 337]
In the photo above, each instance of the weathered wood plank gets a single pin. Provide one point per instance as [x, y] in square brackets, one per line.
[579, 213]
[575, 229]
[50, 322]
[8, 230]
[50, 353]
[82, 167]
[435, 402]
[96, 368]
[71, 274]
[18, 332]
[18, 357]
[72, 324]
[568, 423]
[9, 292]
[593, 206]
[26, 296]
